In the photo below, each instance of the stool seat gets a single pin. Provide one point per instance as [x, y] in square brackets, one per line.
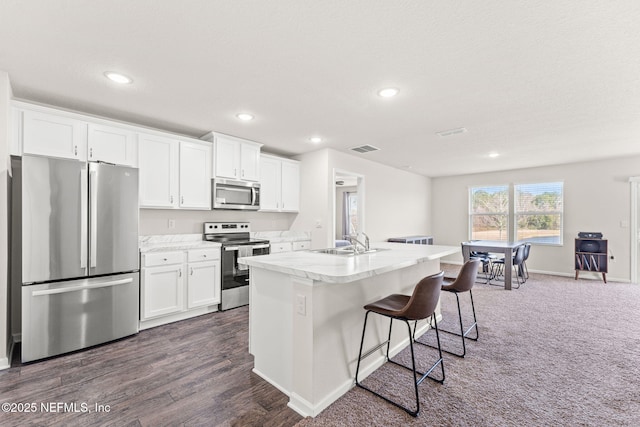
[389, 306]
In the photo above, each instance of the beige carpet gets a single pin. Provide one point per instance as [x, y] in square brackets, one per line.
[556, 352]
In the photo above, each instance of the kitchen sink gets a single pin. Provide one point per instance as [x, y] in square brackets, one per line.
[347, 251]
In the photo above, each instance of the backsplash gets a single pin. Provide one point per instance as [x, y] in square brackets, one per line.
[282, 236]
[156, 221]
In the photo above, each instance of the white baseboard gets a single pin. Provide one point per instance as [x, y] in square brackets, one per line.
[589, 275]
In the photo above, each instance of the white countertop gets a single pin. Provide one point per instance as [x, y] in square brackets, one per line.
[174, 242]
[343, 269]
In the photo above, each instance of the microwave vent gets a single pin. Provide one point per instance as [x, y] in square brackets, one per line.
[365, 148]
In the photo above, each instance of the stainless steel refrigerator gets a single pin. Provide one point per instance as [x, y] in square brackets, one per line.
[78, 228]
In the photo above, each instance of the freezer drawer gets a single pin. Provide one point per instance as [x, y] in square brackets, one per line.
[66, 316]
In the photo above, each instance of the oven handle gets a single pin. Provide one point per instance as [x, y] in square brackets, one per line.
[236, 248]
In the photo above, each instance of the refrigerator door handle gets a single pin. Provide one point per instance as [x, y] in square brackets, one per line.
[93, 210]
[84, 217]
[81, 287]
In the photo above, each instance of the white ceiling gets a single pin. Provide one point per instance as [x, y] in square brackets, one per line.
[540, 82]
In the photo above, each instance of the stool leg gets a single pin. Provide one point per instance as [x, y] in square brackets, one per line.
[413, 363]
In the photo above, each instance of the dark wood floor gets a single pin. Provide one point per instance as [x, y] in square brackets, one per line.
[194, 372]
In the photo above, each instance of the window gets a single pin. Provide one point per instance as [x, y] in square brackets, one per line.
[538, 212]
[535, 210]
[489, 213]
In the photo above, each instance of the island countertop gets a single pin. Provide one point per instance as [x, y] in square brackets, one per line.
[348, 268]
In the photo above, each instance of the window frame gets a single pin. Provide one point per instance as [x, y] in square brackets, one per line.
[472, 215]
[516, 214]
[512, 214]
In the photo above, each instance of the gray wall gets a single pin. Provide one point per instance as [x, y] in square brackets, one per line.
[596, 198]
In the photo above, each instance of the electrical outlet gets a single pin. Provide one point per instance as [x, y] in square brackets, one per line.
[301, 305]
[172, 223]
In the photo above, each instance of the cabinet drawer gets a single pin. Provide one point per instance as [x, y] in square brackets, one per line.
[280, 247]
[162, 258]
[195, 255]
[301, 246]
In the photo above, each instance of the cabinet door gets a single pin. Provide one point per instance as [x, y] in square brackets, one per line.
[227, 157]
[203, 284]
[250, 161]
[269, 184]
[54, 136]
[158, 164]
[112, 145]
[195, 175]
[276, 248]
[290, 186]
[162, 291]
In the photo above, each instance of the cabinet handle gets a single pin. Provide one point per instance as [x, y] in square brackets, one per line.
[180, 273]
[75, 150]
[171, 199]
[243, 173]
[182, 200]
[192, 271]
[91, 153]
[235, 172]
[164, 259]
[205, 255]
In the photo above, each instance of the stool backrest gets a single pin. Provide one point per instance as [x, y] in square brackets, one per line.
[424, 299]
[466, 278]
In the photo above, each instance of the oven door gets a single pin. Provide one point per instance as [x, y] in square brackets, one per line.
[235, 275]
[228, 194]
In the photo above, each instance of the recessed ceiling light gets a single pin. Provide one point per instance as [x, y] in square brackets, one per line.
[244, 116]
[388, 92]
[493, 155]
[118, 78]
[315, 139]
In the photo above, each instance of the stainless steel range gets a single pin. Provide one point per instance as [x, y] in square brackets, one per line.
[236, 243]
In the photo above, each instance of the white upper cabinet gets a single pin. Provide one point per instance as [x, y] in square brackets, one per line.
[54, 136]
[290, 201]
[174, 174]
[270, 186]
[250, 161]
[158, 164]
[195, 175]
[235, 158]
[279, 184]
[112, 145]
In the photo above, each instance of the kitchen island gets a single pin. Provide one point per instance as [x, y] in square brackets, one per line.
[306, 316]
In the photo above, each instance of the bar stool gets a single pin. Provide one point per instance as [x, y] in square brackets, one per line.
[463, 283]
[420, 305]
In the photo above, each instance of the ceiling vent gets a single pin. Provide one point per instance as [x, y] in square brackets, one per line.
[451, 132]
[365, 148]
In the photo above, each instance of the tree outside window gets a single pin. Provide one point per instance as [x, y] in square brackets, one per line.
[489, 213]
[538, 212]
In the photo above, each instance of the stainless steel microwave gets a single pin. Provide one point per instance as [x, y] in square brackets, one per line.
[230, 194]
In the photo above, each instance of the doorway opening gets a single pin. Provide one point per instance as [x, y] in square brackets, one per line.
[635, 228]
[348, 206]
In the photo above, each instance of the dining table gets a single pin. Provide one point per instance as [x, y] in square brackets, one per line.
[494, 246]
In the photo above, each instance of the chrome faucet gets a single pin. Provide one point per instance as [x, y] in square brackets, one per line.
[355, 242]
[366, 241]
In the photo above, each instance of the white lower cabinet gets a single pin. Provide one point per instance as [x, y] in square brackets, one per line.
[162, 291]
[299, 245]
[179, 284]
